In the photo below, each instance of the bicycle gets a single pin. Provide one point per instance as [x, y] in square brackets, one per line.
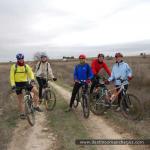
[103, 98]
[83, 98]
[29, 108]
[48, 97]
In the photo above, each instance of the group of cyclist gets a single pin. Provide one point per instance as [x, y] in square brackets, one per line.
[83, 72]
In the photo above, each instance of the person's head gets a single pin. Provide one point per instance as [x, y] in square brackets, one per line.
[20, 59]
[82, 58]
[43, 57]
[100, 57]
[119, 57]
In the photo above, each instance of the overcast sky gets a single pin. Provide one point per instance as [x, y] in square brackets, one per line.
[58, 26]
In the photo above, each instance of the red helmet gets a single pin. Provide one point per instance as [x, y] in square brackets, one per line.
[82, 56]
[100, 55]
[118, 55]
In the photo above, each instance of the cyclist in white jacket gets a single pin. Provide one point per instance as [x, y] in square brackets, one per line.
[43, 73]
[120, 70]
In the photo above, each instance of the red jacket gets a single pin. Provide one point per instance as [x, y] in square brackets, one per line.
[96, 67]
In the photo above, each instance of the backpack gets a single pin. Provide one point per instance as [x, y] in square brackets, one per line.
[40, 65]
[16, 65]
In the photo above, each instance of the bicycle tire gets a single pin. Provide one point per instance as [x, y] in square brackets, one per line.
[131, 107]
[76, 101]
[96, 108]
[30, 112]
[50, 100]
[85, 106]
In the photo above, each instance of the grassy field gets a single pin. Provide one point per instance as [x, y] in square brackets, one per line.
[8, 108]
[64, 72]
[138, 86]
[141, 81]
[67, 127]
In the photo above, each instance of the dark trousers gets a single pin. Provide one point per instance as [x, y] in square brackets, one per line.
[120, 94]
[42, 83]
[95, 82]
[75, 91]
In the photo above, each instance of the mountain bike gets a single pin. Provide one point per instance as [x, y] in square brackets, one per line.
[29, 109]
[48, 96]
[103, 98]
[83, 98]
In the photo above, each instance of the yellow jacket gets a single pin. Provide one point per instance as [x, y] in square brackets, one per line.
[20, 74]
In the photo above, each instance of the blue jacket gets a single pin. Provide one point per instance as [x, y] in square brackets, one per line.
[82, 72]
[120, 70]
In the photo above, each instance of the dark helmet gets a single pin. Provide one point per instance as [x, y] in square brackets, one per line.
[118, 55]
[82, 56]
[100, 55]
[19, 56]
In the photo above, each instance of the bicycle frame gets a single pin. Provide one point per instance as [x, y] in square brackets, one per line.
[105, 92]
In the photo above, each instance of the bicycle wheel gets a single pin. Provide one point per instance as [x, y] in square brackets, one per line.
[97, 104]
[50, 99]
[131, 107]
[30, 113]
[85, 106]
[76, 101]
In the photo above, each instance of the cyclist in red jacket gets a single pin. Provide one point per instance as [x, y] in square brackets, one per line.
[97, 65]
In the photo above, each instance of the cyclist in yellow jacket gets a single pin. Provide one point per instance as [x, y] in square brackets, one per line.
[19, 75]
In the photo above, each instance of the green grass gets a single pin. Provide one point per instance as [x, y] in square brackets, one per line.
[67, 127]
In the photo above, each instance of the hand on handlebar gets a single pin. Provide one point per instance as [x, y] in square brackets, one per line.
[106, 82]
[32, 82]
[130, 78]
[13, 88]
[54, 79]
[88, 81]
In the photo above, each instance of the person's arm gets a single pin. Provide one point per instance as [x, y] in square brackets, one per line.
[107, 69]
[30, 72]
[12, 75]
[93, 67]
[75, 73]
[112, 76]
[90, 73]
[129, 71]
[37, 67]
[50, 72]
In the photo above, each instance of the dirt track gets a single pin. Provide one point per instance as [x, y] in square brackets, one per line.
[96, 126]
[26, 137]
[33, 138]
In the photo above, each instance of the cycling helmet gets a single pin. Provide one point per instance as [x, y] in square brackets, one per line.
[43, 55]
[100, 55]
[118, 55]
[82, 56]
[19, 56]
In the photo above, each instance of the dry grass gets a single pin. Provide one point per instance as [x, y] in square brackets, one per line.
[8, 108]
[139, 86]
[141, 72]
[64, 72]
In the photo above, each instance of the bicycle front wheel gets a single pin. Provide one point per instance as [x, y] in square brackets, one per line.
[97, 104]
[76, 101]
[131, 107]
[85, 106]
[30, 113]
[50, 100]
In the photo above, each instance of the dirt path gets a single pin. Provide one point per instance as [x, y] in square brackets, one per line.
[96, 126]
[38, 137]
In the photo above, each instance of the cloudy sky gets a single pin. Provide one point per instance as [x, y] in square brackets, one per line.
[65, 27]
